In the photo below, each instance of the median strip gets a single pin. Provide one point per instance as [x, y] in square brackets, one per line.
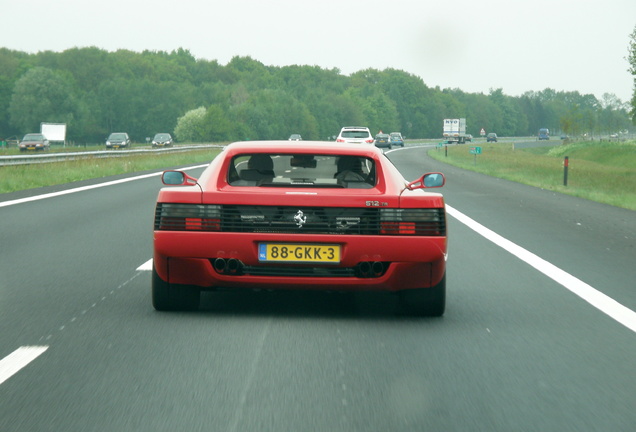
[85, 188]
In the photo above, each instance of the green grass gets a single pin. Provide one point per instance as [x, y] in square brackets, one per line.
[21, 177]
[602, 172]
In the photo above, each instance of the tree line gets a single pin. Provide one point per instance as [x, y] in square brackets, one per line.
[96, 92]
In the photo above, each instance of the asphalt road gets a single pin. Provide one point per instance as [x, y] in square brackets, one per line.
[516, 350]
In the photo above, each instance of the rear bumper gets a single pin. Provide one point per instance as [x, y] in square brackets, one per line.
[408, 262]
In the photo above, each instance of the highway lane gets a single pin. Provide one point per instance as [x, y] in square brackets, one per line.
[515, 350]
[594, 242]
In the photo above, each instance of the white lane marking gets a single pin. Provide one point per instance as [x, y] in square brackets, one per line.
[147, 266]
[602, 302]
[84, 188]
[18, 359]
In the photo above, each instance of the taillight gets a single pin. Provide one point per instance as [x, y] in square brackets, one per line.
[203, 224]
[340, 140]
[369, 141]
[422, 222]
[186, 217]
[397, 228]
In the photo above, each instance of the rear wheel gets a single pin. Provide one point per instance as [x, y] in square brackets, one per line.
[170, 297]
[425, 301]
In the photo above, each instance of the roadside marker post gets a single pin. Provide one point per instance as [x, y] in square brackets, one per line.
[475, 151]
[566, 163]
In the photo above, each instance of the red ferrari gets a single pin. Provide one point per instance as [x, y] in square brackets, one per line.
[300, 216]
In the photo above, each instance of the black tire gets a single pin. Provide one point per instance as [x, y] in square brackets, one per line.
[167, 297]
[425, 301]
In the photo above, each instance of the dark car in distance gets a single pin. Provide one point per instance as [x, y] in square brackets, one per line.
[162, 140]
[34, 141]
[382, 140]
[118, 140]
[491, 137]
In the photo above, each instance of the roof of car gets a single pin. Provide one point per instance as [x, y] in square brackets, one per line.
[310, 147]
[34, 137]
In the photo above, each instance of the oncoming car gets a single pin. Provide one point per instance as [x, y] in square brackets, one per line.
[278, 216]
[34, 141]
[118, 140]
[162, 140]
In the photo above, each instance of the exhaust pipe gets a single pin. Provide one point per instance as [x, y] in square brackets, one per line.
[364, 268]
[368, 269]
[233, 266]
[220, 265]
[377, 268]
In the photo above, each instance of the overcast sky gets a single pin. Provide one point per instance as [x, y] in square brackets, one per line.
[473, 45]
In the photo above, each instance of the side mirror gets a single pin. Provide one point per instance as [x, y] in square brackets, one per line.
[429, 180]
[177, 178]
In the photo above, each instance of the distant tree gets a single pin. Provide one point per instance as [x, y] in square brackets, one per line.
[410, 96]
[510, 117]
[631, 58]
[96, 92]
[274, 114]
[217, 127]
[42, 95]
[12, 65]
[191, 126]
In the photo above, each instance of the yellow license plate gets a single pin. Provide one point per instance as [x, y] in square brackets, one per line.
[299, 253]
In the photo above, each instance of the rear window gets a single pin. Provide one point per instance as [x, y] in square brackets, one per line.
[302, 171]
[355, 134]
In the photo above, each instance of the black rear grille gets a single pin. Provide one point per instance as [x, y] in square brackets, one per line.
[299, 271]
[300, 220]
[305, 220]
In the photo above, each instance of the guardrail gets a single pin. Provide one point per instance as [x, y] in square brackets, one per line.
[28, 159]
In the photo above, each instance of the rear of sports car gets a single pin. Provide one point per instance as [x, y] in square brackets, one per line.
[297, 239]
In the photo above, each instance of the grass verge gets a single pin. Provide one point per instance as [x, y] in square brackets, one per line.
[602, 172]
[21, 177]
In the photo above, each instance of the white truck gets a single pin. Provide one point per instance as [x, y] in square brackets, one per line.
[455, 130]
